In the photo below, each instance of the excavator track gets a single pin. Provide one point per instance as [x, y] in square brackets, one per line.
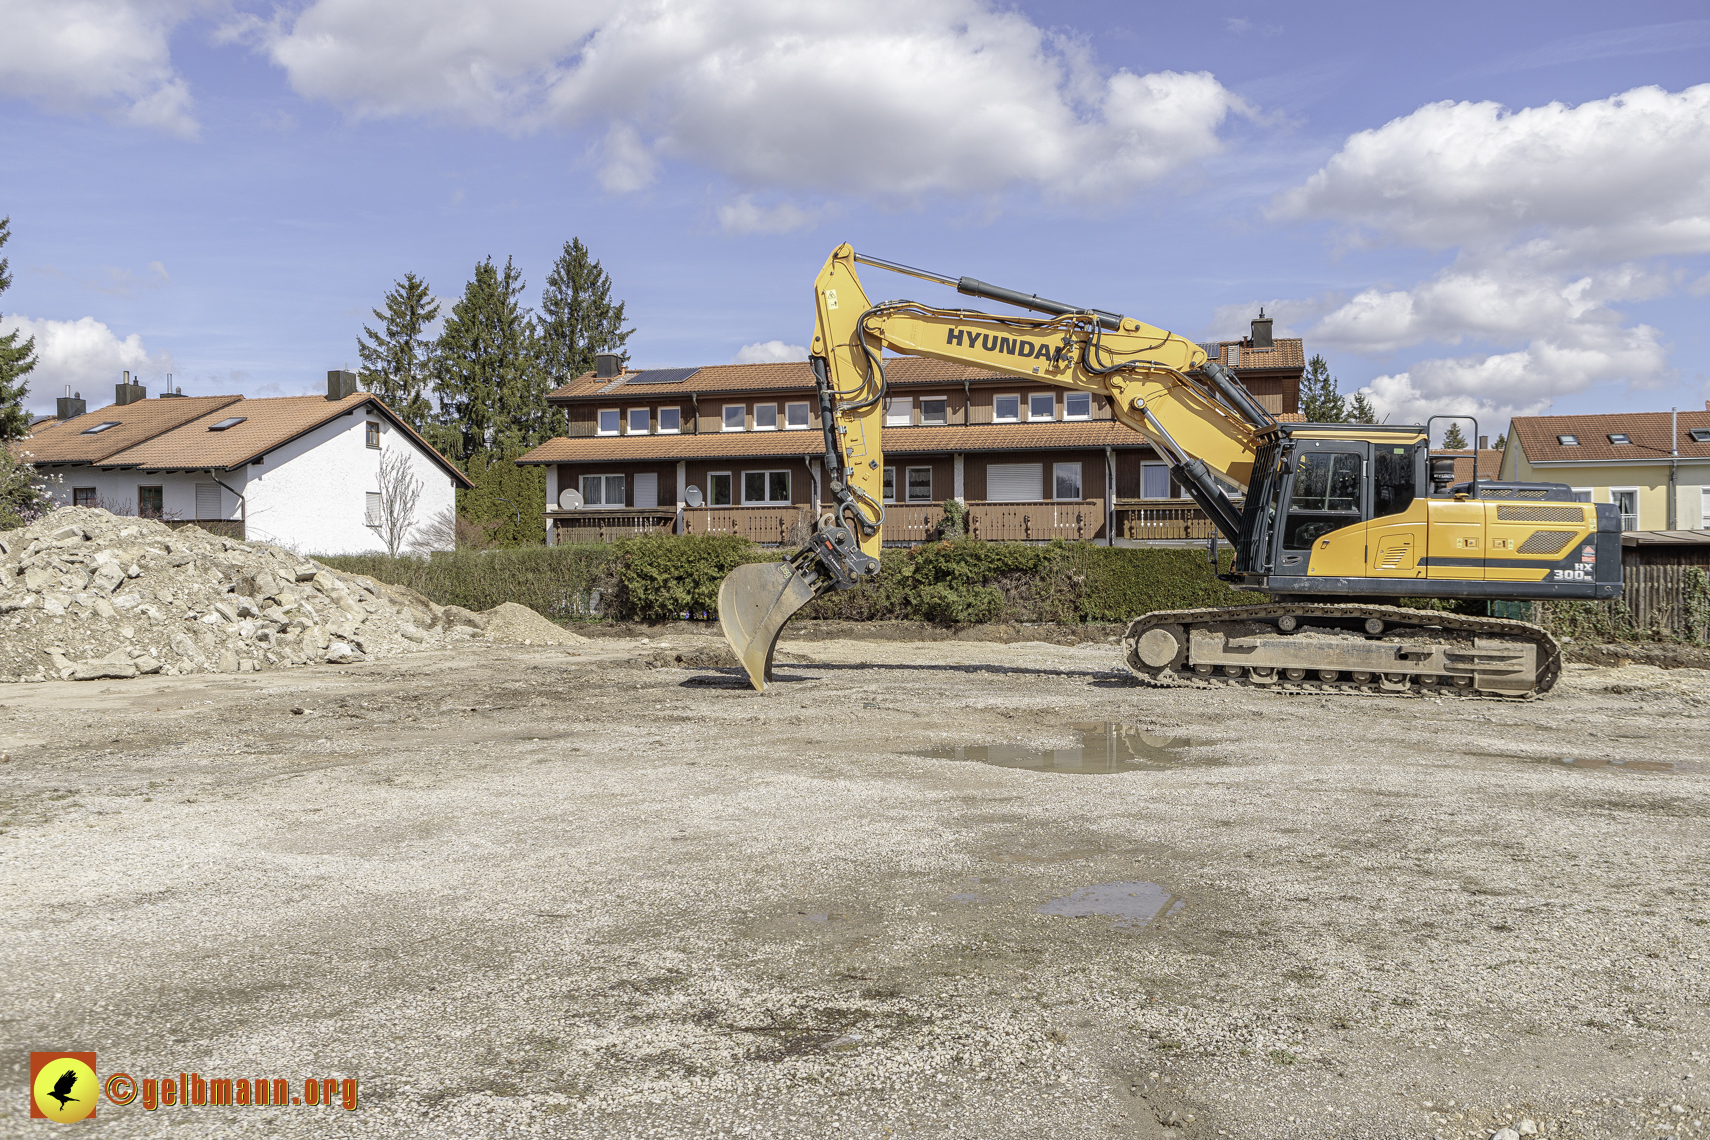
[1307, 648]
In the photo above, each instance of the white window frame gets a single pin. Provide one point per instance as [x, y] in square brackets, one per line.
[1016, 418]
[890, 480]
[600, 421]
[731, 483]
[1704, 508]
[605, 479]
[1613, 491]
[807, 416]
[1080, 487]
[772, 408]
[944, 414]
[1068, 415]
[724, 417]
[768, 473]
[1588, 492]
[646, 421]
[899, 411]
[662, 429]
[1165, 467]
[908, 485]
[1032, 396]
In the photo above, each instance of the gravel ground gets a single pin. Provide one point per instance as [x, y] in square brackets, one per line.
[587, 891]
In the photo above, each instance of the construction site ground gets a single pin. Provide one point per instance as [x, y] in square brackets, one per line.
[606, 890]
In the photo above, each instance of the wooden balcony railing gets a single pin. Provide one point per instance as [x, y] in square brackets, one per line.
[1036, 522]
[610, 525]
[1163, 522]
[770, 525]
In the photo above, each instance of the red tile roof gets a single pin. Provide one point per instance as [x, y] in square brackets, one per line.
[1647, 430]
[943, 440]
[1285, 352]
[173, 434]
[64, 441]
[1489, 463]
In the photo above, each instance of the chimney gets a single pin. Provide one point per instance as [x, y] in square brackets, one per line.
[70, 407]
[1484, 443]
[1261, 330]
[170, 390]
[340, 384]
[125, 392]
[607, 365]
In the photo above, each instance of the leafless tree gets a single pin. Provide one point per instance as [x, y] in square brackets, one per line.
[400, 492]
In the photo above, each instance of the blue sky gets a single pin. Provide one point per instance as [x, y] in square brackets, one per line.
[1486, 208]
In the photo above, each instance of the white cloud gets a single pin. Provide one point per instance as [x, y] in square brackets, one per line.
[1560, 213]
[915, 97]
[769, 352]
[83, 353]
[744, 215]
[108, 56]
[1617, 178]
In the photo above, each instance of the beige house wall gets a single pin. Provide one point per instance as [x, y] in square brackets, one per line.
[1651, 479]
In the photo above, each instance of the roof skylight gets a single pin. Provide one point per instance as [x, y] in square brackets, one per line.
[98, 428]
[1700, 435]
[1568, 440]
[1619, 437]
[228, 422]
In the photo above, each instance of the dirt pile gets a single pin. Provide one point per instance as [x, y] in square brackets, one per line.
[86, 595]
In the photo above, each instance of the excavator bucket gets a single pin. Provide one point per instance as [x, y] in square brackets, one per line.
[754, 602]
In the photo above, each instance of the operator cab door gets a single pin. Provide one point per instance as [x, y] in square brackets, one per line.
[1395, 537]
[1326, 493]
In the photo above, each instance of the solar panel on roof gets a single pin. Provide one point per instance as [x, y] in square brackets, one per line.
[662, 376]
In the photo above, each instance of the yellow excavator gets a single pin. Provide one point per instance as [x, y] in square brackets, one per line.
[1337, 522]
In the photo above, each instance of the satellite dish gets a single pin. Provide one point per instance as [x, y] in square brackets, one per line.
[692, 496]
[570, 500]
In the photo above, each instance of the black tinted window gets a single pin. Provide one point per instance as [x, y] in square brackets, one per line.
[1392, 480]
[1327, 481]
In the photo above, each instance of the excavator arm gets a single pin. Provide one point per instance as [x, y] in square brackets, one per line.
[1194, 412]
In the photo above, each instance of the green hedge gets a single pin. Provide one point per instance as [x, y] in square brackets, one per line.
[961, 581]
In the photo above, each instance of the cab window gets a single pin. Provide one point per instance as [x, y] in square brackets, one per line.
[1326, 497]
[1392, 480]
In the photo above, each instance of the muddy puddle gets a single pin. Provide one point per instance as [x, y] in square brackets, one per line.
[1105, 747]
[1131, 904]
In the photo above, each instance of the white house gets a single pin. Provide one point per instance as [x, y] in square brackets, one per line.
[300, 471]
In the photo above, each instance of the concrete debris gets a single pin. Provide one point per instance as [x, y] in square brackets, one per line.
[86, 595]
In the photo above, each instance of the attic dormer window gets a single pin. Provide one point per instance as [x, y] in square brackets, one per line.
[228, 422]
[99, 428]
[1568, 440]
[1619, 437]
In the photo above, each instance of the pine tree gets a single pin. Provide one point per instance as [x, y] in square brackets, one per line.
[398, 360]
[1320, 403]
[485, 365]
[16, 361]
[1360, 411]
[1453, 440]
[578, 319]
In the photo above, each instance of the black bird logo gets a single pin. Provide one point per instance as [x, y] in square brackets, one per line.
[63, 1086]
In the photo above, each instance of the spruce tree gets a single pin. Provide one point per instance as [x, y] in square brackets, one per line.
[397, 361]
[1320, 403]
[485, 367]
[17, 359]
[1501, 443]
[577, 319]
[1360, 411]
[1453, 440]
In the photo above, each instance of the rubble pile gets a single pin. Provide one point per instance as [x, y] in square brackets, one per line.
[86, 595]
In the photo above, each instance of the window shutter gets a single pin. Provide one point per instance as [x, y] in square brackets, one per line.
[208, 501]
[371, 517]
[1015, 482]
[647, 490]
